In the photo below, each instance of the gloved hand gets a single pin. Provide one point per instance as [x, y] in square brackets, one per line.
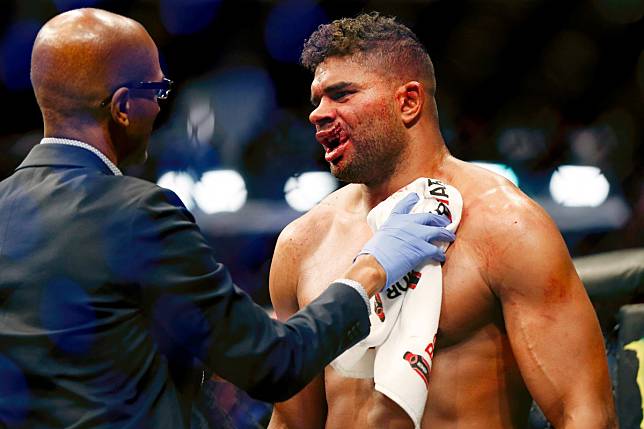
[403, 242]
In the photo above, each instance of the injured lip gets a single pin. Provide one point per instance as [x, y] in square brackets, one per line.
[336, 148]
[331, 138]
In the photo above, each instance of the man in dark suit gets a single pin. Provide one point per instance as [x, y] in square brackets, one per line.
[111, 304]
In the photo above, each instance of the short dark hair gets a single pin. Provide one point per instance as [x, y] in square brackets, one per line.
[372, 36]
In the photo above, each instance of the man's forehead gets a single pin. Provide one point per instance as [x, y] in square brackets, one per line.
[340, 69]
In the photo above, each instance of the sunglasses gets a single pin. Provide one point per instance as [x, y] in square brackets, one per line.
[161, 89]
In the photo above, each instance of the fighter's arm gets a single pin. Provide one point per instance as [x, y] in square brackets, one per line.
[551, 324]
[307, 409]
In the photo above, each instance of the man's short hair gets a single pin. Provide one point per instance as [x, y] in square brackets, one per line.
[371, 37]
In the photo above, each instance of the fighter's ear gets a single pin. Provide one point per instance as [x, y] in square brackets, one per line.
[120, 107]
[410, 97]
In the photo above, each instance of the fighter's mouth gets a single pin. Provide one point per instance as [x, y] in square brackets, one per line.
[333, 140]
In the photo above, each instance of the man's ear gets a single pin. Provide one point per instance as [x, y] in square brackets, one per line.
[120, 107]
[410, 98]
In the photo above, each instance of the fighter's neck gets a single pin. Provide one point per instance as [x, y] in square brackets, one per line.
[435, 166]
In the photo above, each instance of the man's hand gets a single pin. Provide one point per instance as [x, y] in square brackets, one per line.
[404, 241]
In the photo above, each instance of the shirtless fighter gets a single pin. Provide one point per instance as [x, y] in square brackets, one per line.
[515, 320]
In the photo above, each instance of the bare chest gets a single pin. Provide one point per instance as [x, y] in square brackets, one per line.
[467, 302]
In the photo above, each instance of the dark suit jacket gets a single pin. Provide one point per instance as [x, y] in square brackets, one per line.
[111, 304]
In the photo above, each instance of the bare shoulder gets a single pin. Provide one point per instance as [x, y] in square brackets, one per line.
[303, 234]
[493, 204]
[297, 242]
[499, 220]
[504, 224]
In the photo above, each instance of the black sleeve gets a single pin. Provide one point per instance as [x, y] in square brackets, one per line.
[192, 300]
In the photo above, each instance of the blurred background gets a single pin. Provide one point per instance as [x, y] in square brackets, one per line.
[548, 93]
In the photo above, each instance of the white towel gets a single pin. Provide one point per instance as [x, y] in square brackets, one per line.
[398, 351]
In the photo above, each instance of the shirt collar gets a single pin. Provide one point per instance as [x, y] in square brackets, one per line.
[69, 142]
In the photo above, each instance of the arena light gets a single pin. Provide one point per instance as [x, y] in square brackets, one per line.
[500, 169]
[593, 145]
[220, 191]
[579, 186]
[522, 144]
[304, 191]
[200, 125]
[241, 99]
[180, 183]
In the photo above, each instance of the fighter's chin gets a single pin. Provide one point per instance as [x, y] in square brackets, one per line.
[343, 173]
[336, 168]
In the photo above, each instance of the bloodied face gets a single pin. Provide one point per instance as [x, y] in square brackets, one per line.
[356, 121]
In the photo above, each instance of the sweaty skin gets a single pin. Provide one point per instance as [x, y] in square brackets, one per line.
[515, 320]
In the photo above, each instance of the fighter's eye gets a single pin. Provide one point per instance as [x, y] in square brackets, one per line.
[340, 95]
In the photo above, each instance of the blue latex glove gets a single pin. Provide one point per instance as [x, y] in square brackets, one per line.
[403, 242]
